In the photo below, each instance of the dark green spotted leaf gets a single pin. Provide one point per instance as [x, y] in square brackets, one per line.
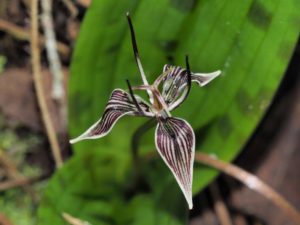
[251, 41]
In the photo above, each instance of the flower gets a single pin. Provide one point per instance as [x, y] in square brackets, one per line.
[174, 137]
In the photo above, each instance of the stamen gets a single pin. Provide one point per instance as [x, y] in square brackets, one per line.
[156, 96]
[161, 77]
[133, 98]
[133, 40]
[161, 101]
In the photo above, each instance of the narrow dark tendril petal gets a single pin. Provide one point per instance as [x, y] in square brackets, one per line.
[189, 76]
[188, 70]
[133, 39]
[133, 98]
[175, 142]
[136, 56]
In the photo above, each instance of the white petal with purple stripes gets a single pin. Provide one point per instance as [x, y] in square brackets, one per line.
[119, 105]
[175, 142]
[175, 82]
[204, 78]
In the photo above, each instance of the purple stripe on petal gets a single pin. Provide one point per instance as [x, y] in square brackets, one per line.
[174, 84]
[119, 104]
[175, 78]
[175, 142]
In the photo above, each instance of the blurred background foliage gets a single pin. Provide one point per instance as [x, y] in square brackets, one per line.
[251, 41]
[2, 63]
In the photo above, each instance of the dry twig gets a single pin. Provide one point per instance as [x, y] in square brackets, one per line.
[85, 3]
[9, 166]
[73, 221]
[36, 68]
[239, 220]
[24, 35]
[53, 57]
[13, 173]
[219, 205]
[19, 182]
[250, 181]
[71, 7]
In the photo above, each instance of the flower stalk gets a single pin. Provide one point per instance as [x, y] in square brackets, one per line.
[135, 141]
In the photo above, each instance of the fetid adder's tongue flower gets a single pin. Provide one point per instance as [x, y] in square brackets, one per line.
[174, 137]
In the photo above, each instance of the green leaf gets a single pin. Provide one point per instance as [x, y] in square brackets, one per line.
[250, 41]
[2, 63]
[88, 187]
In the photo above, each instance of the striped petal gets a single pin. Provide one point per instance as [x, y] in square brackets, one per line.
[204, 78]
[176, 80]
[200, 78]
[173, 83]
[120, 104]
[175, 142]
